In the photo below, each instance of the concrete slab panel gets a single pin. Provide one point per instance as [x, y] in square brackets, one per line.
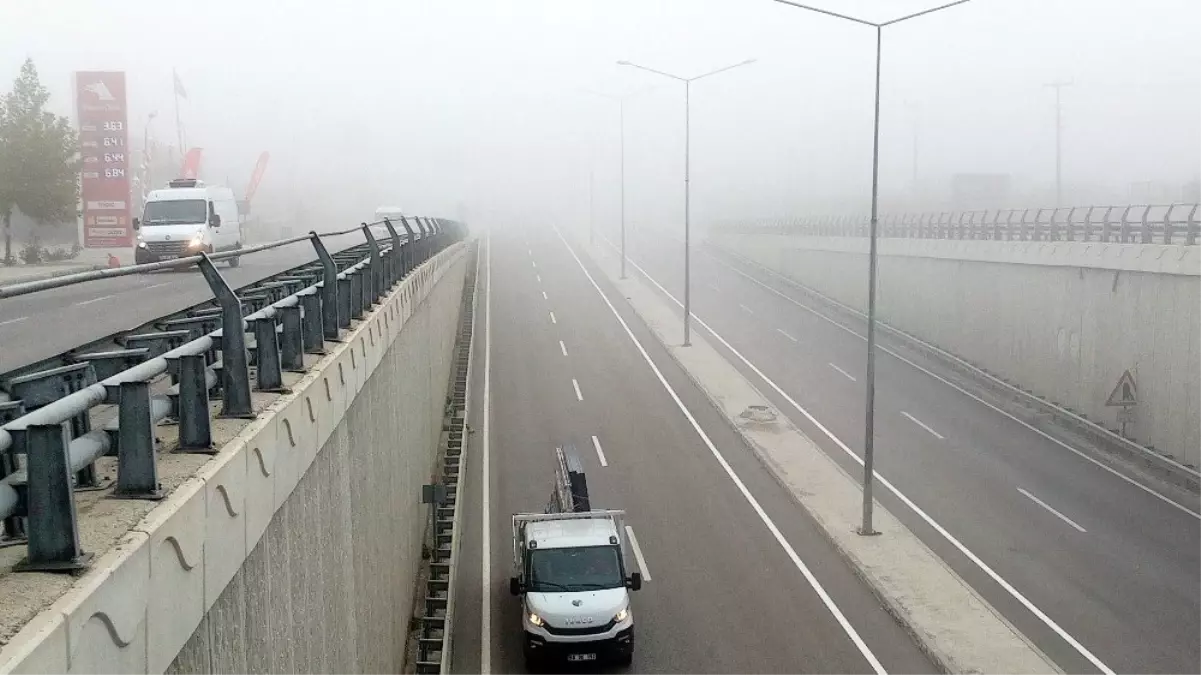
[175, 604]
[106, 611]
[225, 520]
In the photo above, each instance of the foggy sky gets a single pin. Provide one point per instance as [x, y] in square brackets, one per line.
[433, 105]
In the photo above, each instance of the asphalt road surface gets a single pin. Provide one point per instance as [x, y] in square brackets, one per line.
[721, 592]
[45, 324]
[1114, 567]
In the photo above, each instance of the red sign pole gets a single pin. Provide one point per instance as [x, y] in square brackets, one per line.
[104, 144]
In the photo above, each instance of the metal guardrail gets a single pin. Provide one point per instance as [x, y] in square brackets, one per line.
[48, 447]
[1130, 224]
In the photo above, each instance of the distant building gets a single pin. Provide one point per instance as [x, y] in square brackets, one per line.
[1150, 192]
[972, 191]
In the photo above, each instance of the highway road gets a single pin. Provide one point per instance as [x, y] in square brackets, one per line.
[554, 364]
[1114, 567]
[45, 324]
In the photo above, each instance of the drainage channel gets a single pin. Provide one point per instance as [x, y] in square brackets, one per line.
[435, 612]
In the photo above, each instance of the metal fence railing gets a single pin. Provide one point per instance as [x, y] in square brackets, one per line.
[48, 447]
[1136, 223]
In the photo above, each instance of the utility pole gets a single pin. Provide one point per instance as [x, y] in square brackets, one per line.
[1058, 86]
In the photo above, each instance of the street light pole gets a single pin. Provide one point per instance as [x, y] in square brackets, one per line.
[687, 179]
[1058, 86]
[687, 214]
[869, 422]
[621, 111]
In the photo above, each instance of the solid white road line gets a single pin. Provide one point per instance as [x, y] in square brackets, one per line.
[923, 425]
[552, 318]
[576, 384]
[19, 319]
[165, 283]
[600, 454]
[1046, 506]
[936, 376]
[942, 531]
[746, 309]
[88, 302]
[486, 518]
[844, 373]
[563, 348]
[783, 332]
[646, 573]
[742, 488]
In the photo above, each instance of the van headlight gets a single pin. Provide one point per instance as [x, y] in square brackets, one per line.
[536, 620]
[622, 615]
[196, 242]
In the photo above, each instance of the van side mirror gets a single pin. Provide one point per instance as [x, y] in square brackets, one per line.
[515, 586]
[137, 223]
[214, 221]
[635, 581]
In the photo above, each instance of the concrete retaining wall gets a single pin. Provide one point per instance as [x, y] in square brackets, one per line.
[1062, 320]
[296, 548]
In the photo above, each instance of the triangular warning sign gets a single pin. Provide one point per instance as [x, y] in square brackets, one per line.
[1125, 393]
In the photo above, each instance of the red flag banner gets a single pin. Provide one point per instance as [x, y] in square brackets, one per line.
[191, 164]
[257, 176]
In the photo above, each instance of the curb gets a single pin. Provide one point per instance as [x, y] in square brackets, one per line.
[52, 275]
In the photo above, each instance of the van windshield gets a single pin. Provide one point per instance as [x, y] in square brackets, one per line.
[175, 212]
[567, 570]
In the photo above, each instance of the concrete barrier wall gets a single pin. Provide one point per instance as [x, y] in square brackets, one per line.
[1061, 320]
[296, 548]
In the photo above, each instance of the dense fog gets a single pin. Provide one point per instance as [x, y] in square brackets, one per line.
[474, 108]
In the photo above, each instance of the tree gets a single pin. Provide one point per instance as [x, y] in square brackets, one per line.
[39, 157]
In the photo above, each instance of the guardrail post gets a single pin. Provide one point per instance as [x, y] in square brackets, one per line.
[410, 245]
[195, 430]
[344, 298]
[394, 256]
[235, 364]
[377, 265]
[291, 347]
[53, 524]
[270, 376]
[331, 318]
[314, 336]
[424, 245]
[137, 467]
[356, 293]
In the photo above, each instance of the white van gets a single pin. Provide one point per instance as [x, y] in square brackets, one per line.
[186, 218]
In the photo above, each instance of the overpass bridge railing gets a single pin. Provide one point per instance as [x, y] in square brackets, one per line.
[1128, 224]
[48, 446]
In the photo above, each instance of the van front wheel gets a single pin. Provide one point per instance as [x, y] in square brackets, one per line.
[236, 260]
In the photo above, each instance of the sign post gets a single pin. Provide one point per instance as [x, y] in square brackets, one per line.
[1124, 396]
[104, 144]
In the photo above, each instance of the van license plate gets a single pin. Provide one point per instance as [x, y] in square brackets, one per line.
[581, 657]
[167, 256]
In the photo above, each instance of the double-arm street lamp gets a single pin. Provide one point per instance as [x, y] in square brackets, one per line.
[870, 418]
[687, 172]
[621, 108]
